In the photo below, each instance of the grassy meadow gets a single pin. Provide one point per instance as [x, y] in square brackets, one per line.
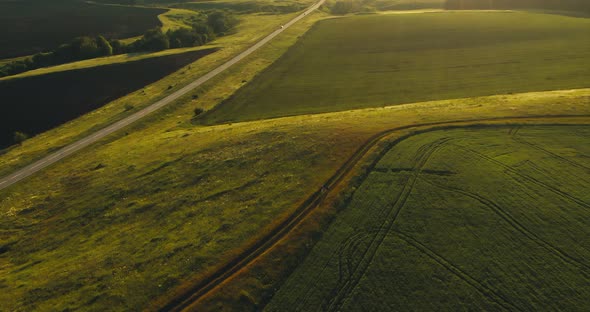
[377, 60]
[130, 221]
[463, 219]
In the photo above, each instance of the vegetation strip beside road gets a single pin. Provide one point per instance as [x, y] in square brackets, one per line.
[76, 146]
[281, 230]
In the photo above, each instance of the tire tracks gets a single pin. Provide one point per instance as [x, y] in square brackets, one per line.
[507, 217]
[424, 154]
[550, 153]
[481, 288]
[527, 178]
[251, 253]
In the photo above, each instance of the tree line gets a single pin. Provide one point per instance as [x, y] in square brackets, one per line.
[213, 25]
[561, 5]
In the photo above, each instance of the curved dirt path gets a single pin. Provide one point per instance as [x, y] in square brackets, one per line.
[248, 256]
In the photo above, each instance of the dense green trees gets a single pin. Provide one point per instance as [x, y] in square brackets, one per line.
[221, 22]
[81, 48]
[152, 40]
[104, 47]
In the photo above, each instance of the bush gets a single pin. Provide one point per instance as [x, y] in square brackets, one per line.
[19, 137]
[152, 40]
[104, 47]
[342, 7]
[221, 22]
[199, 111]
[118, 47]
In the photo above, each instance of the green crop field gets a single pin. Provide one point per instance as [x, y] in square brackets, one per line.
[371, 61]
[460, 219]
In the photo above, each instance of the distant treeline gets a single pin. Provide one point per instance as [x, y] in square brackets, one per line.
[342, 7]
[559, 5]
[82, 48]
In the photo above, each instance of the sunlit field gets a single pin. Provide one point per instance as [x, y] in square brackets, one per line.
[125, 224]
[366, 159]
[250, 29]
[371, 61]
[475, 219]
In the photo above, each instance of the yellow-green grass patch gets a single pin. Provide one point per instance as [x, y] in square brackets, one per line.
[121, 223]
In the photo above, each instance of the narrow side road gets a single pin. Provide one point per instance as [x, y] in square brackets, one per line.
[82, 143]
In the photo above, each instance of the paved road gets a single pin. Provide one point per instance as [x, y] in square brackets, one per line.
[82, 143]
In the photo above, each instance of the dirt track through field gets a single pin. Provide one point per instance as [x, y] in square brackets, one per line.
[248, 256]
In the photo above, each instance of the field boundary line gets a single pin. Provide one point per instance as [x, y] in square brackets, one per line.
[227, 271]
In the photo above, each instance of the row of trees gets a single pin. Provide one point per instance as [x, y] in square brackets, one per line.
[82, 48]
[564, 5]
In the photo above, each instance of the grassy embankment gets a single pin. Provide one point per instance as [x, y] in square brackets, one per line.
[251, 28]
[371, 61]
[136, 218]
[483, 219]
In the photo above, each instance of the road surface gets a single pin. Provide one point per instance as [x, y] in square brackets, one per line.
[82, 143]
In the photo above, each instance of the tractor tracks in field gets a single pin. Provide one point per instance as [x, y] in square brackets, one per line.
[528, 178]
[200, 289]
[351, 281]
[466, 277]
[508, 218]
[514, 135]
